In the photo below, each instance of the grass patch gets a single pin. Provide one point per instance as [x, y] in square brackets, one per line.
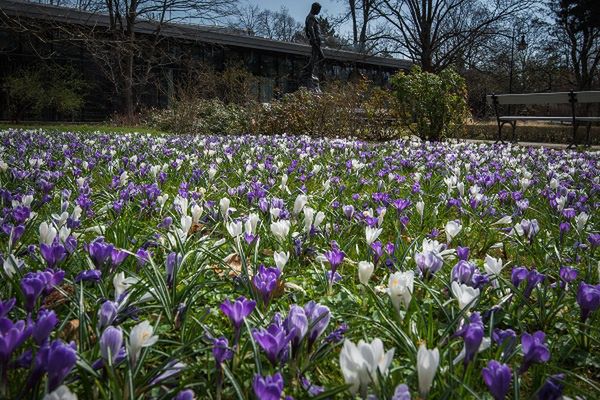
[85, 128]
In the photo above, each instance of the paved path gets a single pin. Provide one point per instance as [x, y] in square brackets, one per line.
[558, 146]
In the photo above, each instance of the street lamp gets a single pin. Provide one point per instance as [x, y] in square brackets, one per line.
[522, 45]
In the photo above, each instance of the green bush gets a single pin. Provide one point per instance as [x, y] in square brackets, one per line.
[45, 88]
[200, 116]
[358, 110]
[431, 106]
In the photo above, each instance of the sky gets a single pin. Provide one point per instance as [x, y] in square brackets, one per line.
[299, 8]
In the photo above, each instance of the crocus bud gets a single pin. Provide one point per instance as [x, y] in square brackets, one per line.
[365, 270]
[428, 362]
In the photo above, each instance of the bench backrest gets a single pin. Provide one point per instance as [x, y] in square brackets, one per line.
[545, 98]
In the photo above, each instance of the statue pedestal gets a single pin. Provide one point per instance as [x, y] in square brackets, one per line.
[310, 82]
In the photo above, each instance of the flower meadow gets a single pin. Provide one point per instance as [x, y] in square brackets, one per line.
[240, 267]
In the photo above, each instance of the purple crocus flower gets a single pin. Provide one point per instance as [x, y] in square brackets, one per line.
[110, 343]
[186, 394]
[533, 279]
[497, 378]
[401, 204]
[472, 334]
[12, 335]
[6, 306]
[57, 359]
[238, 310]
[552, 389]
[265, 281]
[117, 257]
[534, 348]
[401, 393]
[469, 274]
[335, 256]
[296, 323]
[506, 338]
[428, 263]
[568, 274]
[318, 318]
[269, 387]
[588, 298]
[594, 239]
[107, 314]
[377, 248]
[100, 252]
[89, 275]
[172, 264]
[274, 341]
[45, 323]
[337, 335]
[462, 253]
[32, 285]
[221, 351]
[348, 211]
[53, 254]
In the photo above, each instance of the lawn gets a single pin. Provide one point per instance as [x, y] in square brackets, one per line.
[146, 265]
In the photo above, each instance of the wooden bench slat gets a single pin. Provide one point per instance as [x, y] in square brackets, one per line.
[588, 97]
[531, 98]
[534, 118]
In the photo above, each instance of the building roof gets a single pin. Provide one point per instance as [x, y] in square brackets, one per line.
[200, 33]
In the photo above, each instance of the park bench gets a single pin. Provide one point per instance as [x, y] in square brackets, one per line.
[572, 98]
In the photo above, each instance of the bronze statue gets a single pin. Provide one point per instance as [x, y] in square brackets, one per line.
[311, 70]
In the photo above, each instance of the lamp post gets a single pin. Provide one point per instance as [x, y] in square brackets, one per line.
[522, 45]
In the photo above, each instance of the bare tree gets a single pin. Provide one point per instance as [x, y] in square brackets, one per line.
[125, 37]
[247, 19]
[577, 30]
[437, 33]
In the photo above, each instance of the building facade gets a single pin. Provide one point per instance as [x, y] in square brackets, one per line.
[277, 65]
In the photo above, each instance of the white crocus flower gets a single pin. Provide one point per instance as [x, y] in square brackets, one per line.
[142, 335]
[493, 266]
[60, 219]
[162, 199]
[283, 186]
[363, 363]
[464, 295]
[251, 223]
[581, 220]
[299, 203]
[234, 228]
[124, 178]
[420, 206]
[365, 270]
[76, 214]
[47, 233]
[121, 284]
[281, 229]
[309, 216]
[275, 212]
[61, 393]
[506, 220]
[196, 213]
[11, 264]
[428, 362]
[281, 258]
[452, 229]
[211, 173]
[319, 219]
[485, 344]
[372, 234]
[64, 233]
[186, 223]
[400, 288]
[460, 186]
[224, 204]
[182, 203]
